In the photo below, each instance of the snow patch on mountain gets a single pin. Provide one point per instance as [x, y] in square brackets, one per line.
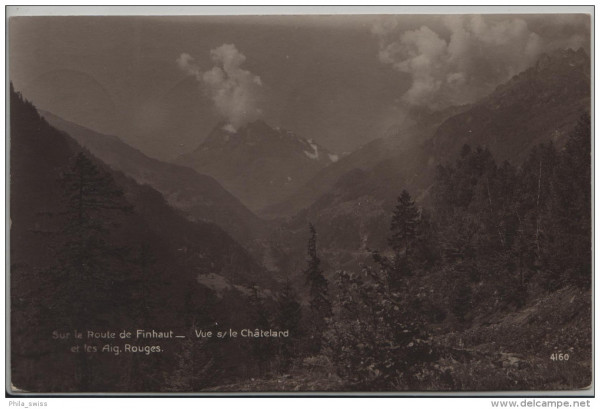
[333, 157]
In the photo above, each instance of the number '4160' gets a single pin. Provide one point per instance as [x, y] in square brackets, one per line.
[559, 357]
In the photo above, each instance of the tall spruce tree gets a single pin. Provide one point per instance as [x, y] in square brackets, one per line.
[262, 349]
[571, 208]
[88, 260]
[319, 301]
[404, 228]
[90, 269]
[288, 318]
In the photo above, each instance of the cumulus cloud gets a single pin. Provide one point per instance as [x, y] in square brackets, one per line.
[463, 57]
[186, 63]
[234, 90]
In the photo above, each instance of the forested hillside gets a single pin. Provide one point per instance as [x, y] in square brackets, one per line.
[486, 289]
[499, 246]
[93, 250]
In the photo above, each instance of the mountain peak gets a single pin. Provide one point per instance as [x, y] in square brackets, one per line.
[563, 57]
[258, 163]
[259, 133]
[257, 126]
[563, 66]
[226, 133]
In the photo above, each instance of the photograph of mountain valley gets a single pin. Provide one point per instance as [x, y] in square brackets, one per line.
[300, 204]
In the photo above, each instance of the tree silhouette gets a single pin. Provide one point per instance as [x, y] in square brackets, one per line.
[88, 260]
[404, 233]
[288, 318]
[320, 305]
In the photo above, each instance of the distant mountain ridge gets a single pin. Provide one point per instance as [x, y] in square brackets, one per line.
[400, 144]
[259, 164]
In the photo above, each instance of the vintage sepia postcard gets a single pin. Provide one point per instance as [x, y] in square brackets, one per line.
[262, 203]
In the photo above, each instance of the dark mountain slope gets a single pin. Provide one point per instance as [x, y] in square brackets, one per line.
[125, 260]
[41, 155]
[539, 105]
[199, 196]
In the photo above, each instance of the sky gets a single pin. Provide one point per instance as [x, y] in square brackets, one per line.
[163, 83]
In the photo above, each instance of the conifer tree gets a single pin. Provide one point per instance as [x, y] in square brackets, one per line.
[571, 208]
[404, 223]
[404, 229]
[90, 269]
[88, 259]
[288, 318]
[320, 305]
[262, 349]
